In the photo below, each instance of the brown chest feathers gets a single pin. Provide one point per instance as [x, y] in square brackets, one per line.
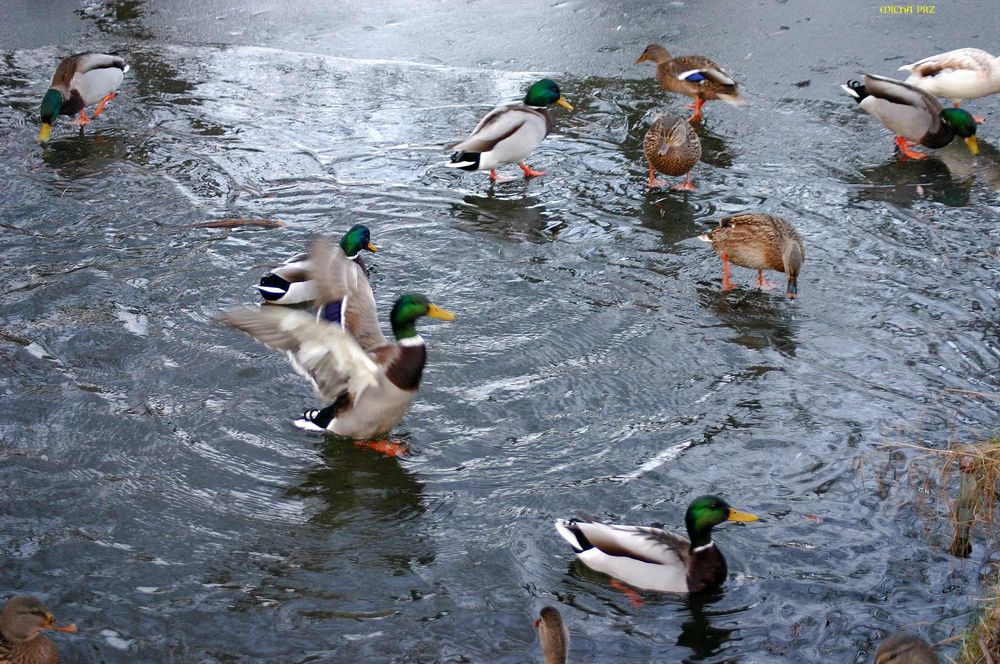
[671, 145]
[38, 650]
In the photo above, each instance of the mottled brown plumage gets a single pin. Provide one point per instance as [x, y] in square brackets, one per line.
[693, 75]
[553, 635]
[761, 242]
[21, 622]
[672, 147]
[903, 648]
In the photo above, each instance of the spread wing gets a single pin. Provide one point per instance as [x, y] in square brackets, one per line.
[500, 123]
[342, 282]
[324, 353]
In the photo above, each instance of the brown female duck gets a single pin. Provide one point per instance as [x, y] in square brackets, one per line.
[903, 648]
[693, 75]
[761, 242]
[672, 148]
[21, 622]
[553, 635]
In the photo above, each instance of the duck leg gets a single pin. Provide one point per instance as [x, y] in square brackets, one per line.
[82, 120]
[498, 178]
[528, 173]
[763, 283]
[653, 182]
[633, 596]
[904, 148]
[698, 103]
[687, 185]
[100, 105]
[727, 283]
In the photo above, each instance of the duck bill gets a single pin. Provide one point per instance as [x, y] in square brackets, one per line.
[49, 619]
[642, 58]
[371, 247]
[973, 145]
[745, 517]
[44, 133]
[435, 311]
[565, 104]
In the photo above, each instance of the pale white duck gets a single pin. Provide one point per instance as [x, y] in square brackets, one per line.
[965, 73]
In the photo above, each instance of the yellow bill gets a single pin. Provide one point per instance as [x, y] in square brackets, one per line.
[44, 133]
[973, 145]
[371, 248]
[745, 517]
[565, 104]
[434, 311]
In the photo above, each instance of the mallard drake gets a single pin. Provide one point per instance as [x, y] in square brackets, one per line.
[370, 381]
[672, 147]
[510, 133]
[760, 242]
[21, 624]
[903, 648]
[915, 116]
[651, 558]
[965, 73]
[289, 283]
[80, 81]
[693, 75]
[553, 635]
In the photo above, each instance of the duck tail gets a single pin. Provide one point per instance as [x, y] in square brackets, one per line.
[705, 238]
[572, 534]
[856, 90]
[467, 161]
[272, 287]
[736, 99]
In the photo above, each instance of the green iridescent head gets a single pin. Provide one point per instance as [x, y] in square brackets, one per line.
[706, 512]
[408, 309]
[962, 123]
[51, 105]
[356, 239]
[544, 93]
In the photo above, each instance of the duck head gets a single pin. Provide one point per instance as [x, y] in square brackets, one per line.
[51, 105]
[24, 617]
[356, 239]
[962, 123]
[706, 512]
[544, 93]
[408, 309]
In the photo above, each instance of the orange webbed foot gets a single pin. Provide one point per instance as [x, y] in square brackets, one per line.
[498, 179]
[979, 119]
[655, 184]
[687, 185]
[905, 151]
[528, 172]
[387, 447]
[82, 120]
[633, 596]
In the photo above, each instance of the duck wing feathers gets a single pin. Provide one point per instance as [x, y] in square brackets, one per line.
[648, 545]
[501, 123]
[340, 279]
[968, 59]
[324, 353]
[907, 110]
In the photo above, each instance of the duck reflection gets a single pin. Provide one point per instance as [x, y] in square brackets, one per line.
[902, 182]
[118, 17]
[698, 633]
[760, 319]
[509, 215]
[358, 485]
[672, 216]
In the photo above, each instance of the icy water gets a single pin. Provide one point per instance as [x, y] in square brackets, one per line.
[157, 495]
